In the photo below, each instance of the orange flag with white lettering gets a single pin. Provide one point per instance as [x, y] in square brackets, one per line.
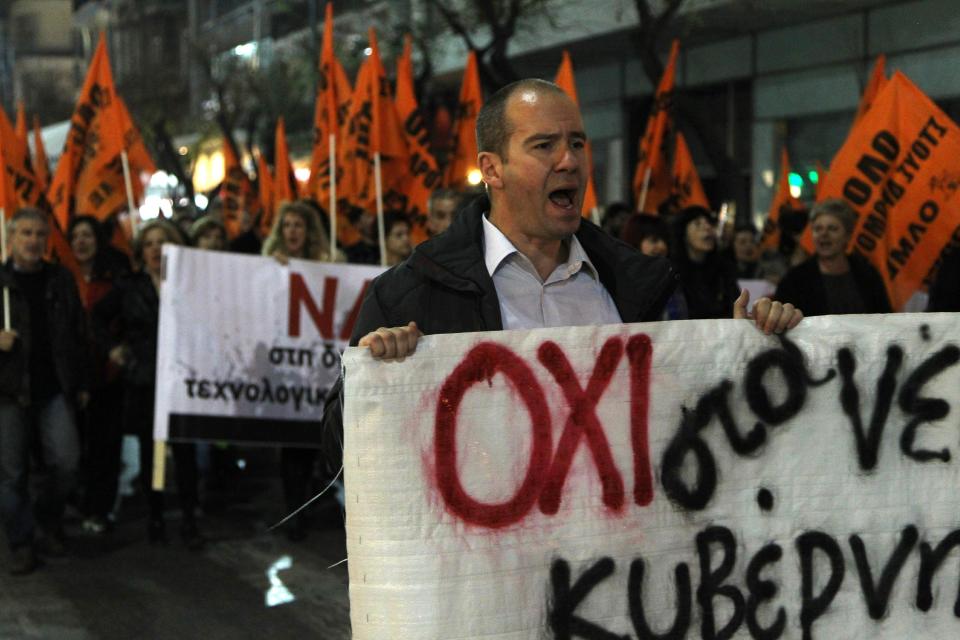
[782, 199]
[898, 169]
[89, 175]
[876, 83]
[652, 180]
[687, 188]
[373, 127]
[330, 113]
[236, 192]
[265, 196]
[462, 158]
[41, 167]
[565, 80]
[424, 175]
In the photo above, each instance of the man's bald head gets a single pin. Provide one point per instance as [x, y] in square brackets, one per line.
[493, 125]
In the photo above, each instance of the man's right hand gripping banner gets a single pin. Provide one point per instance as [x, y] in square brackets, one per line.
[670, 480]
[900, 170]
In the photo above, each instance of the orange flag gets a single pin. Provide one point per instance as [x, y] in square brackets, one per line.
[782, 199]
[565, 80]
[898, 170]
[651, 180]
[462, 158]
[236, 192]
[424, 175]
[12, 198]
[9, 199]
[284, 181]
[687, 188]
[876, 83]
[330, 113]
[373, 127]
[21, 126]
[17, 165]
[89, 176]
[41, 168]
[265, 196]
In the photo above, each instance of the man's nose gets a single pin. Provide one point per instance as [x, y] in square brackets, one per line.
[570, 159]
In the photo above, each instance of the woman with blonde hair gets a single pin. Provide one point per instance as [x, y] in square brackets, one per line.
[298, 233]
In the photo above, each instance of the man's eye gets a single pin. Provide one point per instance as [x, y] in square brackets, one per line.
[578, 144]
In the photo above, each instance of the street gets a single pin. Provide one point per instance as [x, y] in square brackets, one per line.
[119, 586]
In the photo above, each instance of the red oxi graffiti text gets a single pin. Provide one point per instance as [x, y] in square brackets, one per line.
[547, 469]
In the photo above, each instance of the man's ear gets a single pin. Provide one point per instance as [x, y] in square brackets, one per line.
[491, 169]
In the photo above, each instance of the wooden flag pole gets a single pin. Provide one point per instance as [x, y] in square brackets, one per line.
[333, 196]
[128, 183]
[380, 229]
[159, 464]
[643, 192]
[3, 253]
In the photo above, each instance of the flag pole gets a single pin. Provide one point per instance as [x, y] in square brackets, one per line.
[380, 230]
[128, 184]
[3, 252]
[643, 192]
[333, 196]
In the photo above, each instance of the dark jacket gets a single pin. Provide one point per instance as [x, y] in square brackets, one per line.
[803, 287]
[945, 290]
[710, 288]
[135, 302]
[444, 286]
[66, 327]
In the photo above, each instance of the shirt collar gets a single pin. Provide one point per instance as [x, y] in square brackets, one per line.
[497, 248]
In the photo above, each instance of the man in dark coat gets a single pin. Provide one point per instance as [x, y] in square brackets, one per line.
[523, 257]
[43, 378]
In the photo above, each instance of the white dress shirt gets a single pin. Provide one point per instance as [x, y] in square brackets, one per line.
[571, 296]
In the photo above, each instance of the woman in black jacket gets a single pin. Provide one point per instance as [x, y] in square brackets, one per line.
[137, 356]
[833, 281]
[707, 280]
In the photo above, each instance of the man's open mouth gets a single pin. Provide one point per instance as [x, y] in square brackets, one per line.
[563, 197]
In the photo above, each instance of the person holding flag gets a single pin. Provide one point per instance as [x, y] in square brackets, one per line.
[43, 380]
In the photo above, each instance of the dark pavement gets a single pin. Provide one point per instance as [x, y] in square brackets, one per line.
[119, 586]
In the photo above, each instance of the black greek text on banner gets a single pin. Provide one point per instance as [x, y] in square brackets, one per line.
[691, 479]
[248, 347]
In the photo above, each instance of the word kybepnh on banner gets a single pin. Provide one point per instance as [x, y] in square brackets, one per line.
[876, 584]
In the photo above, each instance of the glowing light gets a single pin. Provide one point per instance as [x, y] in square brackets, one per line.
[302, 173]
[368, 51]
[278, 593]
[201, 201]
[795, 180]
[474, 177]
[767, 177]
[183, 151]
[795, 191]
[245, 50]
[813, 177]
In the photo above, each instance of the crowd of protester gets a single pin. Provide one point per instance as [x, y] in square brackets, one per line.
[78, 372]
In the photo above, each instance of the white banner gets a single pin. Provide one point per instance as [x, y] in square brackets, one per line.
[248, 347]
[691, 479]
